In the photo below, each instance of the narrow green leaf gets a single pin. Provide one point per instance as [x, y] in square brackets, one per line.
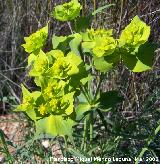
[76, 153]
[141, 155]
[102, 8]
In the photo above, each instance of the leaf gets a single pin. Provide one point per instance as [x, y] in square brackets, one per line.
[77, 69]
[26, 93]
[82, 99]
[32, 57]
[135, 34]
[106, 63]
[4, 143]
[81, 109]
[146, 53]
[109, 99]
[86, 79]
[158, 109]
[141, 155]
[88, 46]
[62, 42]
[75, 43]
[76, 153]
[129, 61]
[40, 65]
[157, 130]
[102, 8]
[29, 99]
[82, 23]
[38, 80]
[67, 11]
[55, 125]
[102, 65]
[142, 60]
[74, 61]
[33, 115]
[53, 55]
[36, 40]
[56, 40]
[70, 100]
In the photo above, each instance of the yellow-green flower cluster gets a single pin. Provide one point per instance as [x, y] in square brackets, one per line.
[36, 41]
[29, 100]
[58, 105]
[60, 68]
[52, 72]
[99, 33]
[40, 64]
[67, 11]
[104, 46]
[135, 34]
[100, 42]
[54, 98]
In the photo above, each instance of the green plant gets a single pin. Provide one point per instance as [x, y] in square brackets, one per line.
[65, 94]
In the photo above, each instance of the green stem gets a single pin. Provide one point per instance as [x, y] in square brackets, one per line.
[94, 8]
[83, 7]
[66, 147]
[103, 119]
[84, 141]
[91, 127]
[88, 94]
[70, 27]
[120, 21]
[98, 87]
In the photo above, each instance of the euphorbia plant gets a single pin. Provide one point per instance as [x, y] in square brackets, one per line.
[65, 95]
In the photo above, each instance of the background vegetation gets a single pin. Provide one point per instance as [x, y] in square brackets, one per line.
[136, 117]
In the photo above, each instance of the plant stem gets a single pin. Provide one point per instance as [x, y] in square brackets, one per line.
[98, 87]
[66, 146]
[94, 7]
[91, 127]
[84, 141]
[83, 7]
[120, 21]
[70, 27]
[103, 119]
